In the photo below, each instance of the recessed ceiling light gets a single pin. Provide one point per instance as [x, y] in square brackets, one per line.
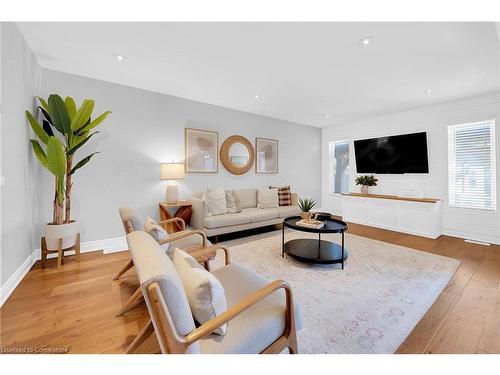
[257, 96]
[428, 91]
[118, 56]
[366, 41]
[327, 116]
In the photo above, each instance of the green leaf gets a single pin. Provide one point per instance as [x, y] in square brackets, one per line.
[82, 162]
[40, 154]
[83, 114]
[70, 106]
[44, 104]
[45, 114]
[80, 144]
[59, 114]
[97, 121]
[47, 128]
[37, 128]
[56, 157]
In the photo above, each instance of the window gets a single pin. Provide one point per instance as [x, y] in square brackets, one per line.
[471, 165]
[339, 167]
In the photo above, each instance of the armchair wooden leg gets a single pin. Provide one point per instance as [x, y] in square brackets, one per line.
[293, 346]
[134, 300]
[141, 337]
[128, 266]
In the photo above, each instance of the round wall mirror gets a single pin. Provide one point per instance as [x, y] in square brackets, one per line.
[237, 154]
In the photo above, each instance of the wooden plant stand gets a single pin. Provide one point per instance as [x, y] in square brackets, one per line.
[60, 251]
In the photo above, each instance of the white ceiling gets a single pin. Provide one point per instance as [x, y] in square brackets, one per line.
[301, 71]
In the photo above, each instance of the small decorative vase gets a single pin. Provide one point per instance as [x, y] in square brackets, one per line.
[305, 215]
[364, 189]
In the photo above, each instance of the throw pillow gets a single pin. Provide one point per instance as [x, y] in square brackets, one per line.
[216, 201]
[267, 198]
[157, 232]
[205, 293]
[232, 202]
[284, 195]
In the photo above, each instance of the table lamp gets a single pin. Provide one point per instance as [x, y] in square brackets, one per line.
[172, 172]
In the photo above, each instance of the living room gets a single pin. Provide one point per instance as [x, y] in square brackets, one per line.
[190, 187]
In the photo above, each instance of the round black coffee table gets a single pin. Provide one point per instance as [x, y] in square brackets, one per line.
[312, 250]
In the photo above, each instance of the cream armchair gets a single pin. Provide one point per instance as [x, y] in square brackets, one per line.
[261, 315]
[189, 240]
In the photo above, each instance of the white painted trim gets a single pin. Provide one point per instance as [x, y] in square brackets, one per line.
[107, 246]
[472, 236]
[110, 245]
[13, 281]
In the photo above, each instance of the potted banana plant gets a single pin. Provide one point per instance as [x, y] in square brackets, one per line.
[64, 130]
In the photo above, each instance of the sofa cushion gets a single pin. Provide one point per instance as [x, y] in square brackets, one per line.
[255, 328]
[261, 214]
[247, 197]
[226, 220]
[232, 202]
[267, 198]
[284, 195]
[286, 211]
[204, 291]
[216, 201]
[152, 265]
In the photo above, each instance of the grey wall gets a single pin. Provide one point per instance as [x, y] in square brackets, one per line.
[146, 129]
[20, 78]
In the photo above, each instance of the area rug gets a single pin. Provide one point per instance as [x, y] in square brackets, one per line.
[369, 307]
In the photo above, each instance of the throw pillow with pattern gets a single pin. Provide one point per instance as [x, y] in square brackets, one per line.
[284, 195]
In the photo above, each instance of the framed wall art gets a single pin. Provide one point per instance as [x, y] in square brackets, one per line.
[201, 147]
[266, 155]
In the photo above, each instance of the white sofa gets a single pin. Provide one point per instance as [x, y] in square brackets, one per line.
[250, 216]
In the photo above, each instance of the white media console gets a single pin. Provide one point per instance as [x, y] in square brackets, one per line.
[419, 216]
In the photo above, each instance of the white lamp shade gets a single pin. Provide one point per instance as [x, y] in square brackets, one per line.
[172, 171]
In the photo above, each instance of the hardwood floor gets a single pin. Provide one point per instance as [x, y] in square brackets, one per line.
[73, 310]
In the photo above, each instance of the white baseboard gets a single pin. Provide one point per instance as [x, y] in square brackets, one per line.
[110, 245]
[15, 279]
[472, 236]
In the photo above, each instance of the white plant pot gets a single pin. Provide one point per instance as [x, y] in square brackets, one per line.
[364, 189]
[54, 232]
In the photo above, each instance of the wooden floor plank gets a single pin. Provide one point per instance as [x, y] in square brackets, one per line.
[75, 307]
[456, 336]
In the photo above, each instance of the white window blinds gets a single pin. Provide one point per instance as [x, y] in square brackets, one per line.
[471, 165]
[339, 167]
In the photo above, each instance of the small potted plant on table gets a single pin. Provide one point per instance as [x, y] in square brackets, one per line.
[306, 205]
[366, 181]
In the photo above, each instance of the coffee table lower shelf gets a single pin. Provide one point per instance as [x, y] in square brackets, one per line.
[311, 250]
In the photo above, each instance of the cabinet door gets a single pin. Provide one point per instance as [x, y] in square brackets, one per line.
[354, 210]
[415, 218]
[381, 213]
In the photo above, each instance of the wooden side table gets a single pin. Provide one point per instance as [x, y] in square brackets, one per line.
[183, 211]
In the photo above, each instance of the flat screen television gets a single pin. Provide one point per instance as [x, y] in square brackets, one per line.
[405, 153]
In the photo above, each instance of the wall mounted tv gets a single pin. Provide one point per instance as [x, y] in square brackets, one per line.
[405, 153]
